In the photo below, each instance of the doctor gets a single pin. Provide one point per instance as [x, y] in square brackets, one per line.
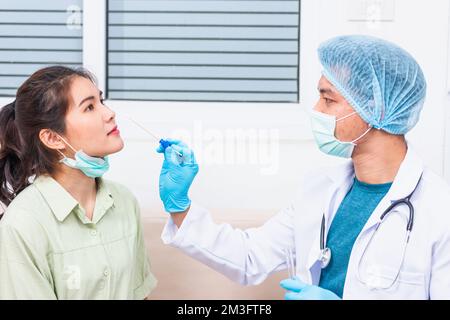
[377, 227]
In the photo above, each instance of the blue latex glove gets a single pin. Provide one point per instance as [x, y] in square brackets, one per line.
[298, 290]
[176, 176]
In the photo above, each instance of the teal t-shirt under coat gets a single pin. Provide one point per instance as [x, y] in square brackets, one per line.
[352, 215]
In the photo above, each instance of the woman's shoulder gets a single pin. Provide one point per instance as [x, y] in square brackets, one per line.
[22, 216]
[24, 204]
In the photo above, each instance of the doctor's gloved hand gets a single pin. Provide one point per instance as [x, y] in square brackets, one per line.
[177, 173]
[298, 290]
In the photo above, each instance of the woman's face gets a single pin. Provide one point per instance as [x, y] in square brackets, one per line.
[90, 125]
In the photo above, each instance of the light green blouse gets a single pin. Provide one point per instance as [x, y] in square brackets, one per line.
[49, 249]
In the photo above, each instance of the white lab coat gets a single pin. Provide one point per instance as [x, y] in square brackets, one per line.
[249, 256]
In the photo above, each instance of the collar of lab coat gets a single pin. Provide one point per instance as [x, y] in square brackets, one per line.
[341, 177]
[404, 183]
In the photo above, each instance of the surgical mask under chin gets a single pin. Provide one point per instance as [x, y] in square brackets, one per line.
[92, 167]
[323, 128]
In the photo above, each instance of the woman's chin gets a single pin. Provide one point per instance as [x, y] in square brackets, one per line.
[112, 148]
[117, 147]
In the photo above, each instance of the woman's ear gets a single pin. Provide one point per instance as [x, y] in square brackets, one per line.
[51, 139]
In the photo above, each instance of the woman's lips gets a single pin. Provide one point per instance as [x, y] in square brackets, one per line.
[114, 131]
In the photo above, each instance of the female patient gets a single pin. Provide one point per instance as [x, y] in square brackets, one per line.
[66, 233]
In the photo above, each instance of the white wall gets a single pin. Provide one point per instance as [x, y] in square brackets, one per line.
[420, 26]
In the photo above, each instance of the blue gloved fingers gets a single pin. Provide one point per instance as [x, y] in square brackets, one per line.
[295, 285]
[179, 156]
[316, 293]
[191, 160]
[311, 292]
[179, 153]
[188, 156]
[170, 156]
[308, 293]
[174, 141]
[183, 154]
[292, 296]
[181, 149]
[160, 148]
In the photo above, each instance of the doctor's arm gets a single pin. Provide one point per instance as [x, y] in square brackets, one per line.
[178, 218]
[245, 256]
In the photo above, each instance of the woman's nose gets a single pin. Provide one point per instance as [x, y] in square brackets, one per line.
[109, 114]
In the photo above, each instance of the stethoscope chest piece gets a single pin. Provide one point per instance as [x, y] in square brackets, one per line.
[325, 257]
[325, 252]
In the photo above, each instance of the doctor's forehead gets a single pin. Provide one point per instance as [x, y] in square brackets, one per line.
[325, 87]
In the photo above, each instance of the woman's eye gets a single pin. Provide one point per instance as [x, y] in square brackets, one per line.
[90, 107]
[102, 101]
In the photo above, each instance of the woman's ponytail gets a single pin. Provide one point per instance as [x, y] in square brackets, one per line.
[13, 177]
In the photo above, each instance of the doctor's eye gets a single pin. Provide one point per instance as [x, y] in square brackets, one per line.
[328, 101]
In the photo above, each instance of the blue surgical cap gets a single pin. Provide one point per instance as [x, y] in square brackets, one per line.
[381, 81]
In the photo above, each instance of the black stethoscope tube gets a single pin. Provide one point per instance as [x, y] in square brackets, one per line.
[406, 201]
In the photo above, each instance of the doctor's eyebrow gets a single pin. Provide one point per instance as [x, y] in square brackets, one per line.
[326, 91]
[100, 93]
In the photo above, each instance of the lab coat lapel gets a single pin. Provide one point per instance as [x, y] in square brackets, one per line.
[340, 181]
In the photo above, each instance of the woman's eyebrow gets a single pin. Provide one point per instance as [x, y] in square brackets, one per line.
[86, 99]
[100, 93]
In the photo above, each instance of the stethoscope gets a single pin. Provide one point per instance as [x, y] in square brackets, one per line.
[325, 252]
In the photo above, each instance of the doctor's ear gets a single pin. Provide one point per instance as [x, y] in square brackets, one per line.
[51, 139]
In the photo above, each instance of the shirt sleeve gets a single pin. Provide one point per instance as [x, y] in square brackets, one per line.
[23, 273]
[145, 281]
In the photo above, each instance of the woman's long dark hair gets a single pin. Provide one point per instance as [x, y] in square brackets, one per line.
[41, 103]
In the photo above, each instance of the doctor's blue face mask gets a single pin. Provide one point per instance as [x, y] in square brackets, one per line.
[323, 128]
[92, 167]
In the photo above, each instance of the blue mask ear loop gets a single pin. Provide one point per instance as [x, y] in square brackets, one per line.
[70, 146]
